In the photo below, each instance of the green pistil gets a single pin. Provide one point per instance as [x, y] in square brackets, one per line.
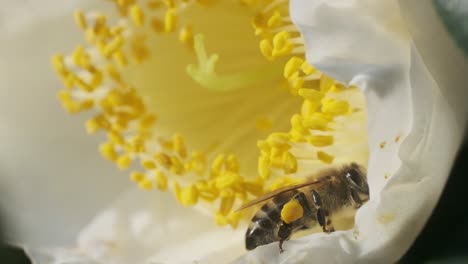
[204, 73]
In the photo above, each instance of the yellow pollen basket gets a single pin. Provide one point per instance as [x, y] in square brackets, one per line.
[292, 211]
[212, 101]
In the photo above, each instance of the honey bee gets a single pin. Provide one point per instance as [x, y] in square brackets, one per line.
[316, 199]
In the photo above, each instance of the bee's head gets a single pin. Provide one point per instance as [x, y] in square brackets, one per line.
[258, 236]
[357, 180]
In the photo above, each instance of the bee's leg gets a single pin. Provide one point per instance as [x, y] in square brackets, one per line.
[284, 233]
[322, 215]
[329, 227]
[281, 246]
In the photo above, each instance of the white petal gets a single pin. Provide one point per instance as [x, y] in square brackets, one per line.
[52, 180]
[367, 43]
[150, 227]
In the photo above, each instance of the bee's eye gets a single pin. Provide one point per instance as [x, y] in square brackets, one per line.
[356, 180]
[354, 175]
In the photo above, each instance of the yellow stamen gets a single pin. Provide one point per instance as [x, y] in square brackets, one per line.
[80, 19]
[170, 20]
[320, 140]
[137, 176]
[137, 15]
[161, 181]
[189, 195]
[326, 158]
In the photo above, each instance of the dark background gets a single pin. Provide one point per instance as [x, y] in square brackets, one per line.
[443, 240]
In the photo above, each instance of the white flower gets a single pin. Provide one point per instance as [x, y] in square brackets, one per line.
[416, 123]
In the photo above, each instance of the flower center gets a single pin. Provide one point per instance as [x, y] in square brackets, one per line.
[206, 108]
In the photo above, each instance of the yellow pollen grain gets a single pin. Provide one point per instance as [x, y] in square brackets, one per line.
[276, 152]
[169, 3]
[170, 20]
[316, 121]
[137, 15]
[154, 4]
[59, 65]
[292, 211]
[320, 140]
[274, 20]
[113, 73]
[266, 49]
[179, 145]
[115, 137]
[290, 163]
[292, 66]
[232, 163]
[92, 125]
[220, 219]
[311, 94]
[148, 164]
[137, 176]
[145, 184]
[100, 26]
[161, 181]
[307, 69]
[335, 107]
[123, 162]
[309, 108]
[295, 84]
[80, 57]
[281, 44]
[226, 204]
[107, 150]
[324, 157]
[86, 104]
[217, 164]
[163, 159]
[234, 219]
[227, 180]
[189, 195]
[326, 83]
[120, 58]
[177, 191]
[197, 162]
[177, 167]
[278, 145]
[186, 35]
[296, 124]
[80, 19]
[209, 195]
[113, 46]
[254, 187]
[264, 167]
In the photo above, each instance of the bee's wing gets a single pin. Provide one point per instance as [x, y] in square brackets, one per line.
[281, 190]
